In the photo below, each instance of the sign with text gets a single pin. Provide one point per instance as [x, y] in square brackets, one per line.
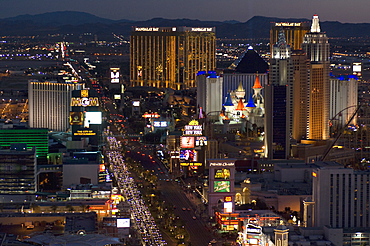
[84, 132]
[84, 101]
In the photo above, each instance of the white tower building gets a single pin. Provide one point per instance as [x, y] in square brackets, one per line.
[49, 104]
[343, 100]
[341, 196]
[209, 93]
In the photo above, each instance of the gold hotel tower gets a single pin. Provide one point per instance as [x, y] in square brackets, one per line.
[294, 33]
[170, 57]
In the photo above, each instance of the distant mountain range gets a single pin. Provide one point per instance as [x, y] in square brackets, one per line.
[72, 22]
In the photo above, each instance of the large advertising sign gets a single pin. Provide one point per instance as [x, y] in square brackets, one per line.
[75, 118]
[160, 123]
[114, 75]
[223, 173]
[200, 141]
[93, 118]
[84, 101]
[123, 222]
[187, 142]
[356, 67]
[188, 155]
[221, 186]
[194, 128]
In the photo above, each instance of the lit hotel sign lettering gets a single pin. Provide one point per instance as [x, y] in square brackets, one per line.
[221, 164]
[287, 24]
[147, 29]
[201, 29]
[84, 101]
[193, 130]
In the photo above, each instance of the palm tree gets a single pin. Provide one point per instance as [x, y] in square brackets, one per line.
[70, 208]
[84, 207]
[54, 208]
[35, 208]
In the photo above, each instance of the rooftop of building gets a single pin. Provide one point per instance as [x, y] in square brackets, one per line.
[74, 239]
[250, 62]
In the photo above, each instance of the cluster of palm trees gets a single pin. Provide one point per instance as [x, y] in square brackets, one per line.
[68, 207]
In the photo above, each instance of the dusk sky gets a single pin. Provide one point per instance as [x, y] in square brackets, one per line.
[355, 11]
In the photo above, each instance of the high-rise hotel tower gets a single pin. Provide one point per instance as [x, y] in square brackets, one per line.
[49, 104]
[278, 101]
[316, 46]
[294, 33]
[170, 57]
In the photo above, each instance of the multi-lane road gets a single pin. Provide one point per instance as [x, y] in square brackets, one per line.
[173, 193]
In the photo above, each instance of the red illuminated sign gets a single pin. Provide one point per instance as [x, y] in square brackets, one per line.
[228, 199]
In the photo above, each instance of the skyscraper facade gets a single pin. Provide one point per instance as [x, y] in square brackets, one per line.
[207, 85]
[18, 168]
[170, 57]
[49, 104]
[278, 101]
[316, 47]
[341, 197]
[37, 138]
[301, 88]
[343, 101]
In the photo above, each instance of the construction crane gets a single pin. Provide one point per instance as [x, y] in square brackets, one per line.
[327, 151]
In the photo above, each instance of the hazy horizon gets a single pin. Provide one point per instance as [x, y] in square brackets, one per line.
[355, 11]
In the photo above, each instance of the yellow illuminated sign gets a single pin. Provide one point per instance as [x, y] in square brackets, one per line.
[194, 123]
[146, 29]
[288, 24]
[191, 164]
[84, 133]
[84, 93]
[84, 101]
[75, 118]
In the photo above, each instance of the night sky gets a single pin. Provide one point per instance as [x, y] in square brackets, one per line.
[355, 11]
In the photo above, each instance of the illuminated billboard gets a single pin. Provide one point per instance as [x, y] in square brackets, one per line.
[101, 168]
[93, 118]
[221, 186]
[123, 223]
[188, 155]
[228, 207]
[356, 67]
[187, 142]
[117, 96]
[75, 118]
[136, 103]
[201, 141]
[114, 75]
[84, 101]
[193, 129]
[223, 173]
[160, 123]
[191, 164]
[84, 132]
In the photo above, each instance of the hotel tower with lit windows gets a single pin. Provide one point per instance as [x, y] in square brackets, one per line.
[49, 104]
[170, 57]
[316, 47]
